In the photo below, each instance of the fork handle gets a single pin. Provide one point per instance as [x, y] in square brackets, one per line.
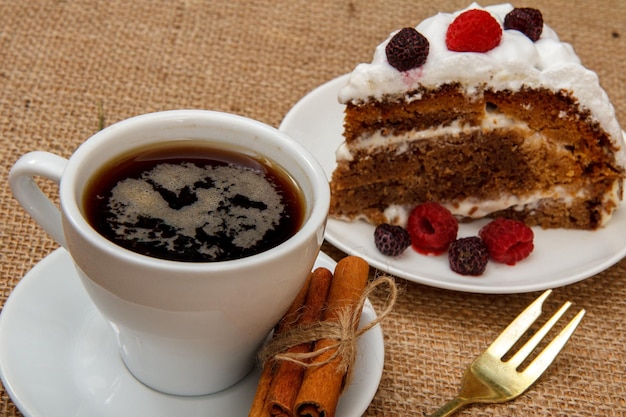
[450, 407]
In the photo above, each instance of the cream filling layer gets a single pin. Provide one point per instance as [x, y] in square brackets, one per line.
[477, 209]
[375, 140]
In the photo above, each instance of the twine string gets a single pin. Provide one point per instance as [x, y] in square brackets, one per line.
[344, 333]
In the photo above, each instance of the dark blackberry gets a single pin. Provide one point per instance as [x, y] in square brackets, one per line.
[527, 20]
[407, 49]
[391, 240]
[468, 256]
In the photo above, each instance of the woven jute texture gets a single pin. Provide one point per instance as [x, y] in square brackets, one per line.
[70, 67]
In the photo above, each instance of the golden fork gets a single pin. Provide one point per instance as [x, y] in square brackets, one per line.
[491, 379]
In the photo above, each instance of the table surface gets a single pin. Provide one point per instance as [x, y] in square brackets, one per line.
[70, 67]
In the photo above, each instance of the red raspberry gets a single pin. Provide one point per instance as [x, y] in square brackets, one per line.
[432, 228]
[391, 240]
[508, 241]
[473, 31]
[468, 256]
[407, 49]
[527, 20]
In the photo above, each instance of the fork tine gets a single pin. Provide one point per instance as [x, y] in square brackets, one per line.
[519, 357]
[518, 327]
[545, 358]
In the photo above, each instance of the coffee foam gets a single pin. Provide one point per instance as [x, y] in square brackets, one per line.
[175, 206]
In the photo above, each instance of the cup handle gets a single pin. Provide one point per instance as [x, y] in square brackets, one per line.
[29, 194]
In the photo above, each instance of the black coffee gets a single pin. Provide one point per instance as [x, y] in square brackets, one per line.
[185, 201]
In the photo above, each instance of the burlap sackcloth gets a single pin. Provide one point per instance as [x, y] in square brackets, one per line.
[69, 67]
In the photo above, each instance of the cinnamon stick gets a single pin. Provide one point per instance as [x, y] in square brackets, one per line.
[288, 376]
[259, 408]
[322, 385]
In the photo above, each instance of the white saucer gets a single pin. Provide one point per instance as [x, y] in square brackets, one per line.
[561, 257]
[58, 358]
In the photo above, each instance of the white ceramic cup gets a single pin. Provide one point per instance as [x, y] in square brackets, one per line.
[183, 328]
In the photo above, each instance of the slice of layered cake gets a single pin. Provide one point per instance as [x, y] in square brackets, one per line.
[485, 111]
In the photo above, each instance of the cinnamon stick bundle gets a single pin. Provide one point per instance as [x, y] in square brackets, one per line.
[288, 376]
[288, 320]
[322, 385]
[308, 378]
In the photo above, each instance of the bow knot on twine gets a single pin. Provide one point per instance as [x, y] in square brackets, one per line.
[342, 334]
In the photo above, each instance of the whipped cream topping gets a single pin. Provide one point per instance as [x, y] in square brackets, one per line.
[516, 62]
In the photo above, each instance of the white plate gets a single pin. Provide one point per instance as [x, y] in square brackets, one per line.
[58, 358]
[560, 257]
